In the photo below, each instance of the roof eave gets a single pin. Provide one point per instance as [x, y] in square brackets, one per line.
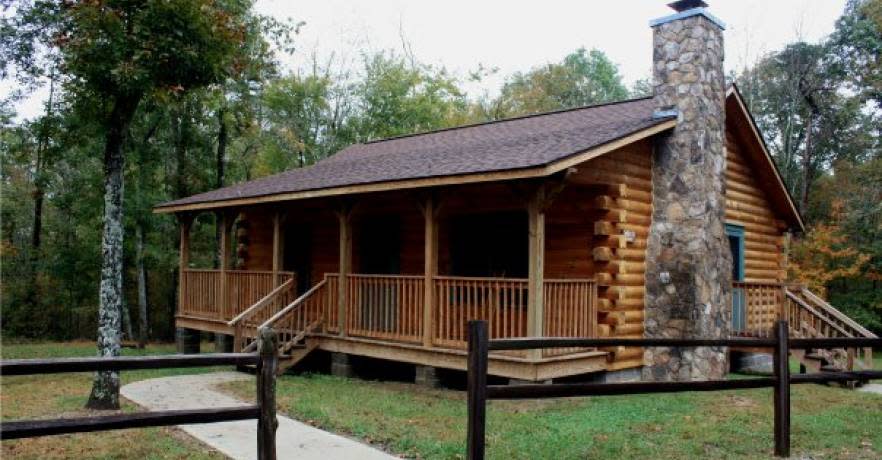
[795, 216]
[405, 184]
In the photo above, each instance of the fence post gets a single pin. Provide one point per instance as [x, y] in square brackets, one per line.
[781, 364]
[477, 389]
[268, 347]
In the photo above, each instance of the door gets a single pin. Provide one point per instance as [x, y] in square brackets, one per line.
[297, 254]
[736, 246]
[379, 253]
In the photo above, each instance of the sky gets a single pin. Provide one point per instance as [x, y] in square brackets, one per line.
[514, 35]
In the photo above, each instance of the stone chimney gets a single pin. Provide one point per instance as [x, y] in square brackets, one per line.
[688, 269]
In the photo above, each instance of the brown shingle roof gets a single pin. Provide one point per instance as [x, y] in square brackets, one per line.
[511, 144]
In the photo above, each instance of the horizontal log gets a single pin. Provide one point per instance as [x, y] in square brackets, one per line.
[635, 206]
[630, 278]
[622, 304]
[62, 365]
[602, 254]
[612, 318]
[33, 428]
[628, 329]
[602, 228]
[598, 176]
[565, 390]
[613, 165]
[637, 254]
[629, 353]
[603, 330]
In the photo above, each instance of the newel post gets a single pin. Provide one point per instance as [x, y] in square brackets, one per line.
[344, 214]
[430, 267]
[536, 271]
[477, 389]
[223, 254]
[185, 221]
[278, 247]
[268, 347]
[781, 364]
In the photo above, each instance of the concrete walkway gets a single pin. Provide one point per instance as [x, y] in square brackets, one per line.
[872, 388]
[238, 440]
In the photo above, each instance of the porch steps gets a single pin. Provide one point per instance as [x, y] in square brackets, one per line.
[812, 317]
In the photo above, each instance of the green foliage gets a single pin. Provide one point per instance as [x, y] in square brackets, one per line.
[581, 78]
[398, 97]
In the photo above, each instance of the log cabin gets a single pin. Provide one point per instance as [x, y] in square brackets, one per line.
[662, 216]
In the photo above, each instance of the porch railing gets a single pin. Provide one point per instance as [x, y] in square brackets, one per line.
[757, 307]
[390, 307]
[386, 307]
[221, 295]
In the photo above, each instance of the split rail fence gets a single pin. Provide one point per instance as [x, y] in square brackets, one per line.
[265, 360]
[479, 392]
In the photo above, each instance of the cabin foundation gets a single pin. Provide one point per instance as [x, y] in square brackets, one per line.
[223, 343]
[751, 363]
[426, 376]
[187, 340]
[341, 366]
[620, 376]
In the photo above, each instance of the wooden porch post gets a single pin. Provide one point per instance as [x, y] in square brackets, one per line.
[536, 276]
[185, 221]
[430, 267]
[344, 214]
[223, 258]
[278, 246]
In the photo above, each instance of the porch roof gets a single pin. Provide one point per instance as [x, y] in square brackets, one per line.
[528, 146]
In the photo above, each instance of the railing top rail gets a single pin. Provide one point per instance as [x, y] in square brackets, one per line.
[215, 270]
[759, 283]
[379, 276]
[570, 280]
[296, 303]
[63, 365]
[478, 278]
[815, 313]
[258, 272]
[260, 303]
[836, 313]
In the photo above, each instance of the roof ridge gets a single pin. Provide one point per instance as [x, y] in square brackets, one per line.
[501, 120]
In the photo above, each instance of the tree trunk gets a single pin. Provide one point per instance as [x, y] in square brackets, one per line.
[33, 292]
[142, 286]
[105, 387]
[221, 170]
[806, 166]
[126, 319]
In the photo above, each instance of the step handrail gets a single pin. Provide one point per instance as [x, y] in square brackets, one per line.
[824, 305]
[261, 303]
[815, 313]
[293, 305]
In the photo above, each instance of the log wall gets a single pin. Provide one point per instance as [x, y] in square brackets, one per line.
[598, 228]
[747, 205]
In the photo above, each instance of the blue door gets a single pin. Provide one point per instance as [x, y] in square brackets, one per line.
[736, 245]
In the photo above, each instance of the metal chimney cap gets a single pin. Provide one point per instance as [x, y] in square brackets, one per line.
[683, 5]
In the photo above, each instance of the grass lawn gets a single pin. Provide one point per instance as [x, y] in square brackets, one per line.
[64, 395]
[418, 422]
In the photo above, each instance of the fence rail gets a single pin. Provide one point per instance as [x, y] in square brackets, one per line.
[264, 411]
[479, 346]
